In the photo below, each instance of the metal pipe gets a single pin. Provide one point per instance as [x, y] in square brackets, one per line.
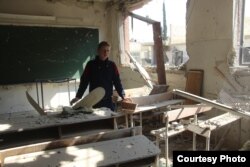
[75, 85]
[194, 134]
[141, 18]
[68, 83]
[212, 103]
[166, 142]
[37, 93]
[42, 94]
[208, 140]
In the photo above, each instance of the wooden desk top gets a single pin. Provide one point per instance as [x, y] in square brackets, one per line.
[158, 105]
[104, 153]
[29, 122]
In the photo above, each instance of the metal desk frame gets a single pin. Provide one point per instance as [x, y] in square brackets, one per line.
[41, 81]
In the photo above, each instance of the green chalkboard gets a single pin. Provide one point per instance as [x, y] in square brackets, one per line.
[29, 53]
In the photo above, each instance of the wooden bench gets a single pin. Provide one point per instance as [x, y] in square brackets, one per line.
[206, 127]
[124, 147]
[151, 103]
[173, 115]
[197, 128]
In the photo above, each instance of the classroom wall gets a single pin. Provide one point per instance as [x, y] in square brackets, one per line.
[209, 42]
[63, 13]
[209, 39]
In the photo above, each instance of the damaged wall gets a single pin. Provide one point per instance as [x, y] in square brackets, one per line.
[62, 13]
[209, 41]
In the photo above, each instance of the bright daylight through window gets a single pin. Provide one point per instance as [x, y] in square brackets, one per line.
[173, 28]
[245, 34]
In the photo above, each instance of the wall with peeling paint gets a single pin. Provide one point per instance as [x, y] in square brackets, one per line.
[62, 13]
[209, 42]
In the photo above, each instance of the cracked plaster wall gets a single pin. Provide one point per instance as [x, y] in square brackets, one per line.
[210, 47]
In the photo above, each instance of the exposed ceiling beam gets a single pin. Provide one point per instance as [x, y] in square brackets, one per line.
[145, 19]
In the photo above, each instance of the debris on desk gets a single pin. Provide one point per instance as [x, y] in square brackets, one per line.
[83, 105]
[68, 111]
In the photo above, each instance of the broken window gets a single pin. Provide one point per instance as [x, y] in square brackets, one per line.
[241, 29]
[245, 41]
[173, 28]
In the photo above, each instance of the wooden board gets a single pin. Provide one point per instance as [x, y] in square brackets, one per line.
[128, 107]
[91, 99]
[151, 102]
[152, 99]
[141, 70]
[186, 112]
[194, 83]
[156, 105]
[177, 114]
[104, 153]
[34, 104]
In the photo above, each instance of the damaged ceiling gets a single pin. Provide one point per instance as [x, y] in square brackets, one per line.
[122, 4]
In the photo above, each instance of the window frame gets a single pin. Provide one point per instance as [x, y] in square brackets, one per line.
[242, 46]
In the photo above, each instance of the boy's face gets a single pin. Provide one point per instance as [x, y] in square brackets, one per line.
[103, 52]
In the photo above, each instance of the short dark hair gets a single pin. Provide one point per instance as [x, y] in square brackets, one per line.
[102, 44]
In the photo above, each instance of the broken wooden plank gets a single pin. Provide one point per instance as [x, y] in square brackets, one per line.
[128, 107]
[90, 99]
[141, 70]
[34, 104]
